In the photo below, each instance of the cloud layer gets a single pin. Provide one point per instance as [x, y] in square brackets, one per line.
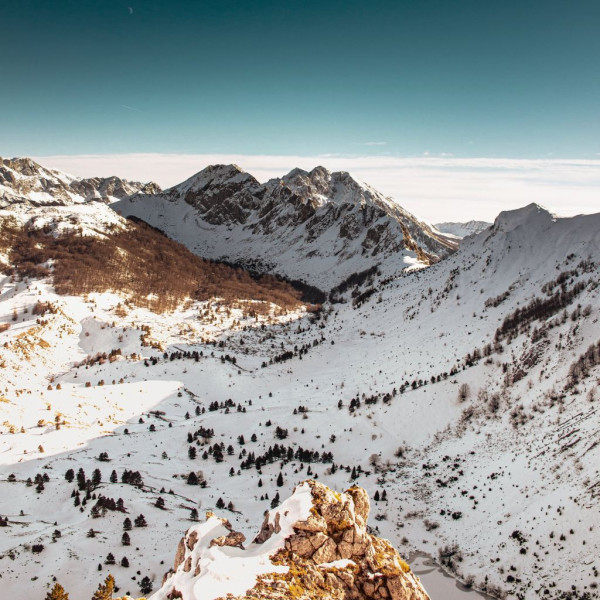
[433, 188]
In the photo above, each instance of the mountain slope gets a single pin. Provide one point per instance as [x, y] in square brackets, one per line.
[316, 226]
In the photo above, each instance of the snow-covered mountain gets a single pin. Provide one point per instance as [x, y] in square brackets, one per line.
[23, 181]
[463, 397]
[317, 226]
[462, 230]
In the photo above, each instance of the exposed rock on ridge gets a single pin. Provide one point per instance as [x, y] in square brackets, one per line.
[315, 545]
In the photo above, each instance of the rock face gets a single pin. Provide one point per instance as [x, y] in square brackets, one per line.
[319, 227]
[315, 545]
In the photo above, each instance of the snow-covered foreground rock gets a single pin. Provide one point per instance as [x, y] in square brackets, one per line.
[314, 545]
[463, 397]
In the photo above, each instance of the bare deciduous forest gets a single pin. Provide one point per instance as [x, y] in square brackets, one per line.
[140, 262]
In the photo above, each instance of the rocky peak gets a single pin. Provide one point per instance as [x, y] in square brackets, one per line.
[314, 545]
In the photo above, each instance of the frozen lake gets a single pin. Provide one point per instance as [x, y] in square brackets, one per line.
[438, 584]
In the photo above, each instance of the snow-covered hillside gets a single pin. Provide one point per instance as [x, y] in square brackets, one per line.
[317, 227]
[462, 230]
[463, 397]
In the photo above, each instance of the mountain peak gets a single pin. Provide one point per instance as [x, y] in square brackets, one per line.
[215, 175]
[532, 215]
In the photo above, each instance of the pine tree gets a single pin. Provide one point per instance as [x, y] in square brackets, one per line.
[124, 562]
[113, 477]
[194, 514]
[110, 559]
[70, 475]
[145, 585]
[96, 477]
[125, 539]
[376, 496]
[220, 503]
[279, 479]
[140, 521]
[127, 524]
[57, 593]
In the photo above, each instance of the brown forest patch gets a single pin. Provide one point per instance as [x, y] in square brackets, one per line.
[140, 262]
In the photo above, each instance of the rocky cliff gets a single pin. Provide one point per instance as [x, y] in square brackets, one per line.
[314, 545]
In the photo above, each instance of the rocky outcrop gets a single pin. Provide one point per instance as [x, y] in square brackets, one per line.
[315, 545]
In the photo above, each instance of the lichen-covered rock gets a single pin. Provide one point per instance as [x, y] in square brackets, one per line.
[315, 545]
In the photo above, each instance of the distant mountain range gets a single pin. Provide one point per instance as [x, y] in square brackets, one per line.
[461, 230]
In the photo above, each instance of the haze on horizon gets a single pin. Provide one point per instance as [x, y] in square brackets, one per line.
[399, 93]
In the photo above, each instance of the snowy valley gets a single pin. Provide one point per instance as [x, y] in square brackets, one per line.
[142, 386]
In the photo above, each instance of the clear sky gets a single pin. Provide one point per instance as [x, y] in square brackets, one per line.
[402, 78]
[516, 78]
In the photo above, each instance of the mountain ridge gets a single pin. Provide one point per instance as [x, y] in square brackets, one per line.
[332, 225]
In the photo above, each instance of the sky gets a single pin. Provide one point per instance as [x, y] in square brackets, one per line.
[343, 80]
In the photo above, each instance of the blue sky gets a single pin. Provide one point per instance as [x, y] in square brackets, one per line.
[403, 78]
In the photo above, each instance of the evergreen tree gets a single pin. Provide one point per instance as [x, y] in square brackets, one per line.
[57, 593]
[124, 562]
[220, 503]
[110, 559]
[194, 514]
[125, 539]
[114, 477]
[376, 496]
[279, 479]
[96, 477]
[192, 478]
[140, 521]
[145, 585]
[127, 524]
[69, 476]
